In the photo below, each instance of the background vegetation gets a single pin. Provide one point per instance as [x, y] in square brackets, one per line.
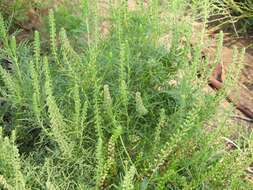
[234, 14]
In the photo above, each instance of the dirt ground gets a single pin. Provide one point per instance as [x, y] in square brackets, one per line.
[242, 95]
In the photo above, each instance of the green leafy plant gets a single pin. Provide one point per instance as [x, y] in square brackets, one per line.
[106, 116]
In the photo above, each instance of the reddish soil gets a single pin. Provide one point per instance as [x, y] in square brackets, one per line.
[242, 95]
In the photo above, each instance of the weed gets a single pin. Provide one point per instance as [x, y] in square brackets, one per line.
[105, 116]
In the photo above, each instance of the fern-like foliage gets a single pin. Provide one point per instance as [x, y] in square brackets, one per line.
[58, 125]
[53, 36]
[140, 108]
[36, 104]
[105, 116]
[159, 127]
[10, 85]
[176, 139]
[11, 175]
[37, 49]
[128, 181]
[3, 32]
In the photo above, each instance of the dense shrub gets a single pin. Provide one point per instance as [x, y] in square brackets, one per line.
[122, 112]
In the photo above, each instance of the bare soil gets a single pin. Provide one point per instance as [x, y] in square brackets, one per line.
[242, 94]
